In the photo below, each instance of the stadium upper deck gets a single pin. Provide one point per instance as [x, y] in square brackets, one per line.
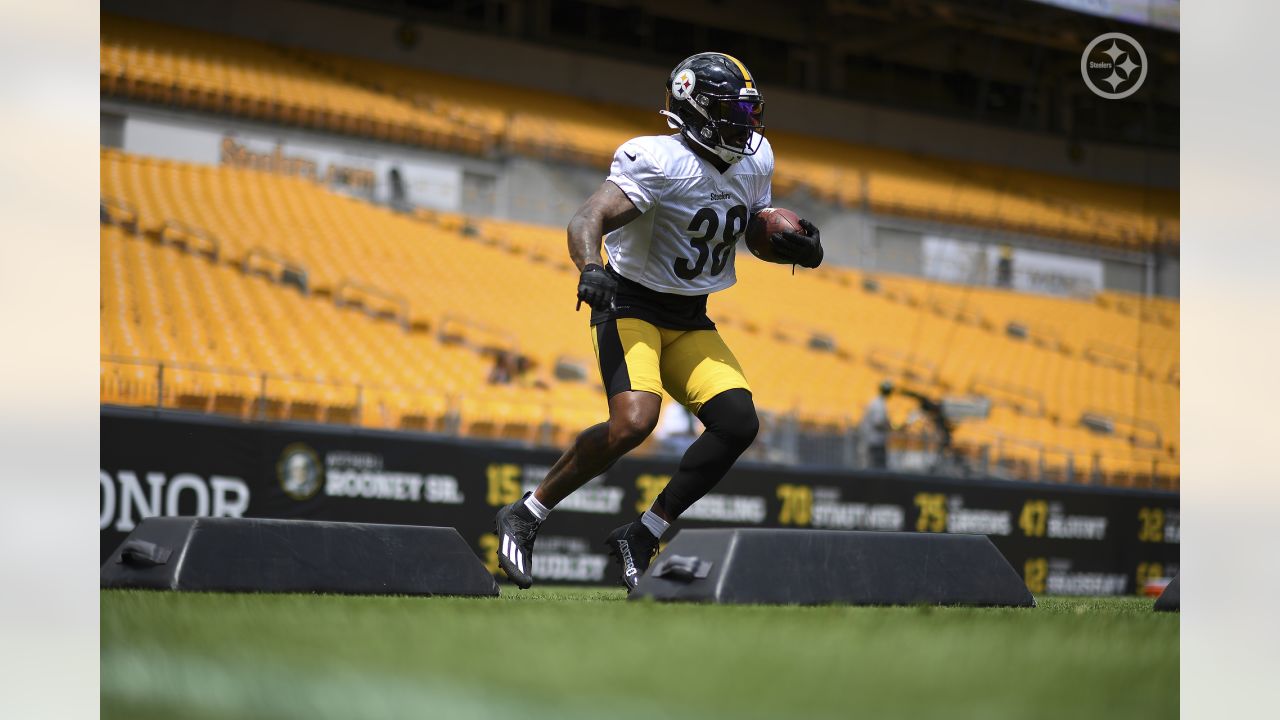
[217, 73]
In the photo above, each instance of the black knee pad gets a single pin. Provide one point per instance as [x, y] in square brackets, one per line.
[731, 415]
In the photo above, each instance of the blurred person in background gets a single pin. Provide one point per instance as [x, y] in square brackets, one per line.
[1004, 267]
[875, 428]
[504, 368]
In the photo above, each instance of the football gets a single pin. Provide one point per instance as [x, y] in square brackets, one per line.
[765, 223]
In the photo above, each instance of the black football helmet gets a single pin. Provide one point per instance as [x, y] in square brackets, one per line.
[712, 99]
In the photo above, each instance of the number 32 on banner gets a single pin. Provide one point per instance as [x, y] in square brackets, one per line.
[489, 552]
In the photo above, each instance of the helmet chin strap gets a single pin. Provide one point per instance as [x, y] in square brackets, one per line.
[729, 156]
[675, 123]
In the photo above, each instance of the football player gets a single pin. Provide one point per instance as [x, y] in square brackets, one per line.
[670, 213]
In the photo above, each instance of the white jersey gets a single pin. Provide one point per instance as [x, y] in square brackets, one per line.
[692, 215]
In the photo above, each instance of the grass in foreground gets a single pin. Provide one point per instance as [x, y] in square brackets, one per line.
[584, 653]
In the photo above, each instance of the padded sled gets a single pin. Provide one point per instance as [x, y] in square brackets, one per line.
[1168, 600]
[811, 567]
[260, 555]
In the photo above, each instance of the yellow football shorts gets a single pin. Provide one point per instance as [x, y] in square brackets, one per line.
[693, 366]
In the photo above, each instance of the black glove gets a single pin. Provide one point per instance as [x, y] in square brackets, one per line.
[596, 288]
[804, 250]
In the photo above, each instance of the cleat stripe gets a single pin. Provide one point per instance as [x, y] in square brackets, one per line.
[513, 551]
[519, 560]
[506, 543]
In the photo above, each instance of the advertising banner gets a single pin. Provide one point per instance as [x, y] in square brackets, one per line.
[1063, 539]
[972, 263]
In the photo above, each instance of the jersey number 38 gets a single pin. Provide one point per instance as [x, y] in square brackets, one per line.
[706, 221]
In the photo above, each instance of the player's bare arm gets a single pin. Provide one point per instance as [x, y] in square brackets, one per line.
[606, 210]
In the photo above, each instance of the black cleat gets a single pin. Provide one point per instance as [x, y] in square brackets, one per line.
[516, 529]
[634, 547]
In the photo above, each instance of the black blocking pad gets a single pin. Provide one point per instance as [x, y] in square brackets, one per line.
[1168, 600]
[811, 567]
[260, 555]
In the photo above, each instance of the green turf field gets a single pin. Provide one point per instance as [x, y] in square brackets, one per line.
[585, 653]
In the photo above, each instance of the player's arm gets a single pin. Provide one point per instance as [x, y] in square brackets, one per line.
[605, 211]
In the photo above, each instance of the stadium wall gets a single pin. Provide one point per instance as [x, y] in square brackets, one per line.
[1063, 539]
[357, 166]
[329, 28]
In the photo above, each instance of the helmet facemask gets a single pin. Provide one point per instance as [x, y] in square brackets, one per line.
[730, 126]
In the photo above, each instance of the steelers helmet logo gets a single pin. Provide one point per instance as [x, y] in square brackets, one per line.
[683, 84]
[299, 472]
